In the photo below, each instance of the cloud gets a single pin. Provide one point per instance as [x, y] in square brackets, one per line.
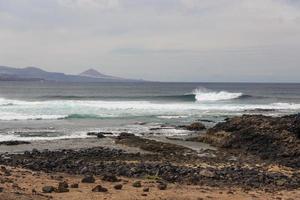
[90, 4]
[127, 37]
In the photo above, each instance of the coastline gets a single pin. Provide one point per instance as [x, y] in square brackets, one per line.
[227, 172]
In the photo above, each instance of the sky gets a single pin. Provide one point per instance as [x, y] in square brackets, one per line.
[160, 40]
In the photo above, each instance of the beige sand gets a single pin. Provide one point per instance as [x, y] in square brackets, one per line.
[22, 185]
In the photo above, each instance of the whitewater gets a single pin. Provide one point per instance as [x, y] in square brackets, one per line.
[204, 102]
[50, 111]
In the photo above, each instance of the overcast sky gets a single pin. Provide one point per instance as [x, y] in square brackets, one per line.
[165, 40]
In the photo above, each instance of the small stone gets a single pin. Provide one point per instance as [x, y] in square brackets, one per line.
[280, 182]
[146, 189]
[48, 189]
[110, 178]
[62, 187]
[137, 184]
[63, 184]
[88, 179]
[207, 173]
[118, 186]
[144, 195]
[3, 169]
[1, 189]
[7, 173]
[74, 185]
[162, 186]
[33, 191]
[99, 188]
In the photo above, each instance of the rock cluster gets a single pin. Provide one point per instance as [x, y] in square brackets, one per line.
[271, 138]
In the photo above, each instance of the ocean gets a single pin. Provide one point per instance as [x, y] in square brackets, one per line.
[51, 110]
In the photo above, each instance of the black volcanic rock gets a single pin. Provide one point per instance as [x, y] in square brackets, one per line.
[272, 138]
[13, 142]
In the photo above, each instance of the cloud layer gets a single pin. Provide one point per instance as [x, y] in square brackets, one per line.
[170, 40]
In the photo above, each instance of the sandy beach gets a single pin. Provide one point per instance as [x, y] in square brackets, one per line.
[230, 164]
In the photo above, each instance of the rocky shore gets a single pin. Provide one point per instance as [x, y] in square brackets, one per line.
[273, 139]
[255, 152]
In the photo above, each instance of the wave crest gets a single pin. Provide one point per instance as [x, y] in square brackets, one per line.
[207, 95]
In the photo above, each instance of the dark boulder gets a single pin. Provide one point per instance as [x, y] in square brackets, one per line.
[110, 178]
[88, 179]
[137, 184]
[162, 186]
[271, 138]
[99, 188]
[196, 126]
[118, 186]
[48, 189]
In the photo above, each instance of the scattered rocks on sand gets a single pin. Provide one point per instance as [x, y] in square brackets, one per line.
[88, 179]
[99, 188]
[118, 186]
[137, 184]
[48, 189]
[257, 144]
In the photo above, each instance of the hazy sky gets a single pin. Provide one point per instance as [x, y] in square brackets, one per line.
[166, 40]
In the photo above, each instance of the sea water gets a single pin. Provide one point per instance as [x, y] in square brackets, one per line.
[51, 110]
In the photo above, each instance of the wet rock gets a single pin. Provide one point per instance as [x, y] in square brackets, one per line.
[13, 142]
[137, 184]
[48, 189]
[151, 145]
[125, 135]
[98, 134]
[118, 186]
[88, 179]
[99, 188]
[197, 126]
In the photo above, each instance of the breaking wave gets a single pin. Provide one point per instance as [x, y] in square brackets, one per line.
[208, 95]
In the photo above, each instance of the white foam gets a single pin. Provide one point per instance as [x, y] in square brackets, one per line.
[172, 116]
[58, 109]
[207, 95]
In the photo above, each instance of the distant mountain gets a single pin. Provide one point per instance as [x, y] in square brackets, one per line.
[92, 73]
[34, 73]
